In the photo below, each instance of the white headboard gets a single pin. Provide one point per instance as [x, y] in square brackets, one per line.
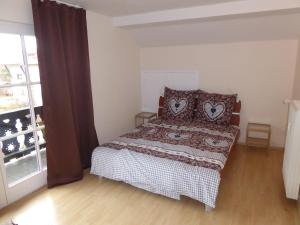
[153, 83]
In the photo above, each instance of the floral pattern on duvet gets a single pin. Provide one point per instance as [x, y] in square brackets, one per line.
[193, 143]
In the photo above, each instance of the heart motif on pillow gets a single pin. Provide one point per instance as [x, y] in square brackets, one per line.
[178, 106]
[214, 111]
[216, 143]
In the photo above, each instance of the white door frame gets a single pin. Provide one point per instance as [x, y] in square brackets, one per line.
[26, 187]
[31, 183]
[3, 198]
[22, 188]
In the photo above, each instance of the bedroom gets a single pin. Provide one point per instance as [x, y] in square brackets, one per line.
[249, 48]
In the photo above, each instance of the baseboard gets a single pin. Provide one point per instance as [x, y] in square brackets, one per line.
[276, 148]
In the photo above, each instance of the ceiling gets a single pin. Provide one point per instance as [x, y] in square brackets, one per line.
[182, 22]
[127, 7]
[221, 30]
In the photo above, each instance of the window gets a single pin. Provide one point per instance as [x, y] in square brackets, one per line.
[22, 138]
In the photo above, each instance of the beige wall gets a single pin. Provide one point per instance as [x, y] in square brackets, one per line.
[114, 58]
[296, 88]
[260, 72]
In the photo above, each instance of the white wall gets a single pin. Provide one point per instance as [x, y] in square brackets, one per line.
[261, 73]
[296, 88]
[114, 59]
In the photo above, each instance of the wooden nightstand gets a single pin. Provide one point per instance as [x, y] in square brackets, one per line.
[144, 116]
[258, 135]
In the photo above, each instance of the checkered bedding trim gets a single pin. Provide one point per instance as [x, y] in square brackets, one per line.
[162, 176]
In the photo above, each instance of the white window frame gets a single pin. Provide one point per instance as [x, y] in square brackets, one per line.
[34, 129]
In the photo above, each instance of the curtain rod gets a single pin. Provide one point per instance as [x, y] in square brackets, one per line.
[66, 3]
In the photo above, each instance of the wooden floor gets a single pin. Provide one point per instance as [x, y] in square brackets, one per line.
[251, 192]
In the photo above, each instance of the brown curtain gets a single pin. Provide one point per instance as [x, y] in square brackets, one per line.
[61, 34]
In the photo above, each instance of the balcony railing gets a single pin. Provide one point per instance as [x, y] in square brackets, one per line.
[15, 122]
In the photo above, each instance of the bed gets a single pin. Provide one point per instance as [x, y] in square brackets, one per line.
[173, 159]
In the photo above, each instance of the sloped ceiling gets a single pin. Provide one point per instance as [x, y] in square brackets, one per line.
[166, 22]
[128, 7]
[232, 29]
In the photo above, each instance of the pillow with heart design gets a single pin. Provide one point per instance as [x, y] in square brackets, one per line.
[215, 108]
[179, 105]
[213, 111]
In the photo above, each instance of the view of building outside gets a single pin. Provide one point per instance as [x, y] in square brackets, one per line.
[12, 73]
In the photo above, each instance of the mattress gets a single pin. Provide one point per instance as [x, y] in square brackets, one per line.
[170, 159]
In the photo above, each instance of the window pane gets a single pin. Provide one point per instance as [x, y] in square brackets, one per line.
[37, 95]
[15, 74]
[34, 73]
[14, 122]
[11, 49]
[44, 158]
[13, 98]
[39, 116]
[20, 158]
[42, 144]
[11, 60]
[11, 74]
[30, 45]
